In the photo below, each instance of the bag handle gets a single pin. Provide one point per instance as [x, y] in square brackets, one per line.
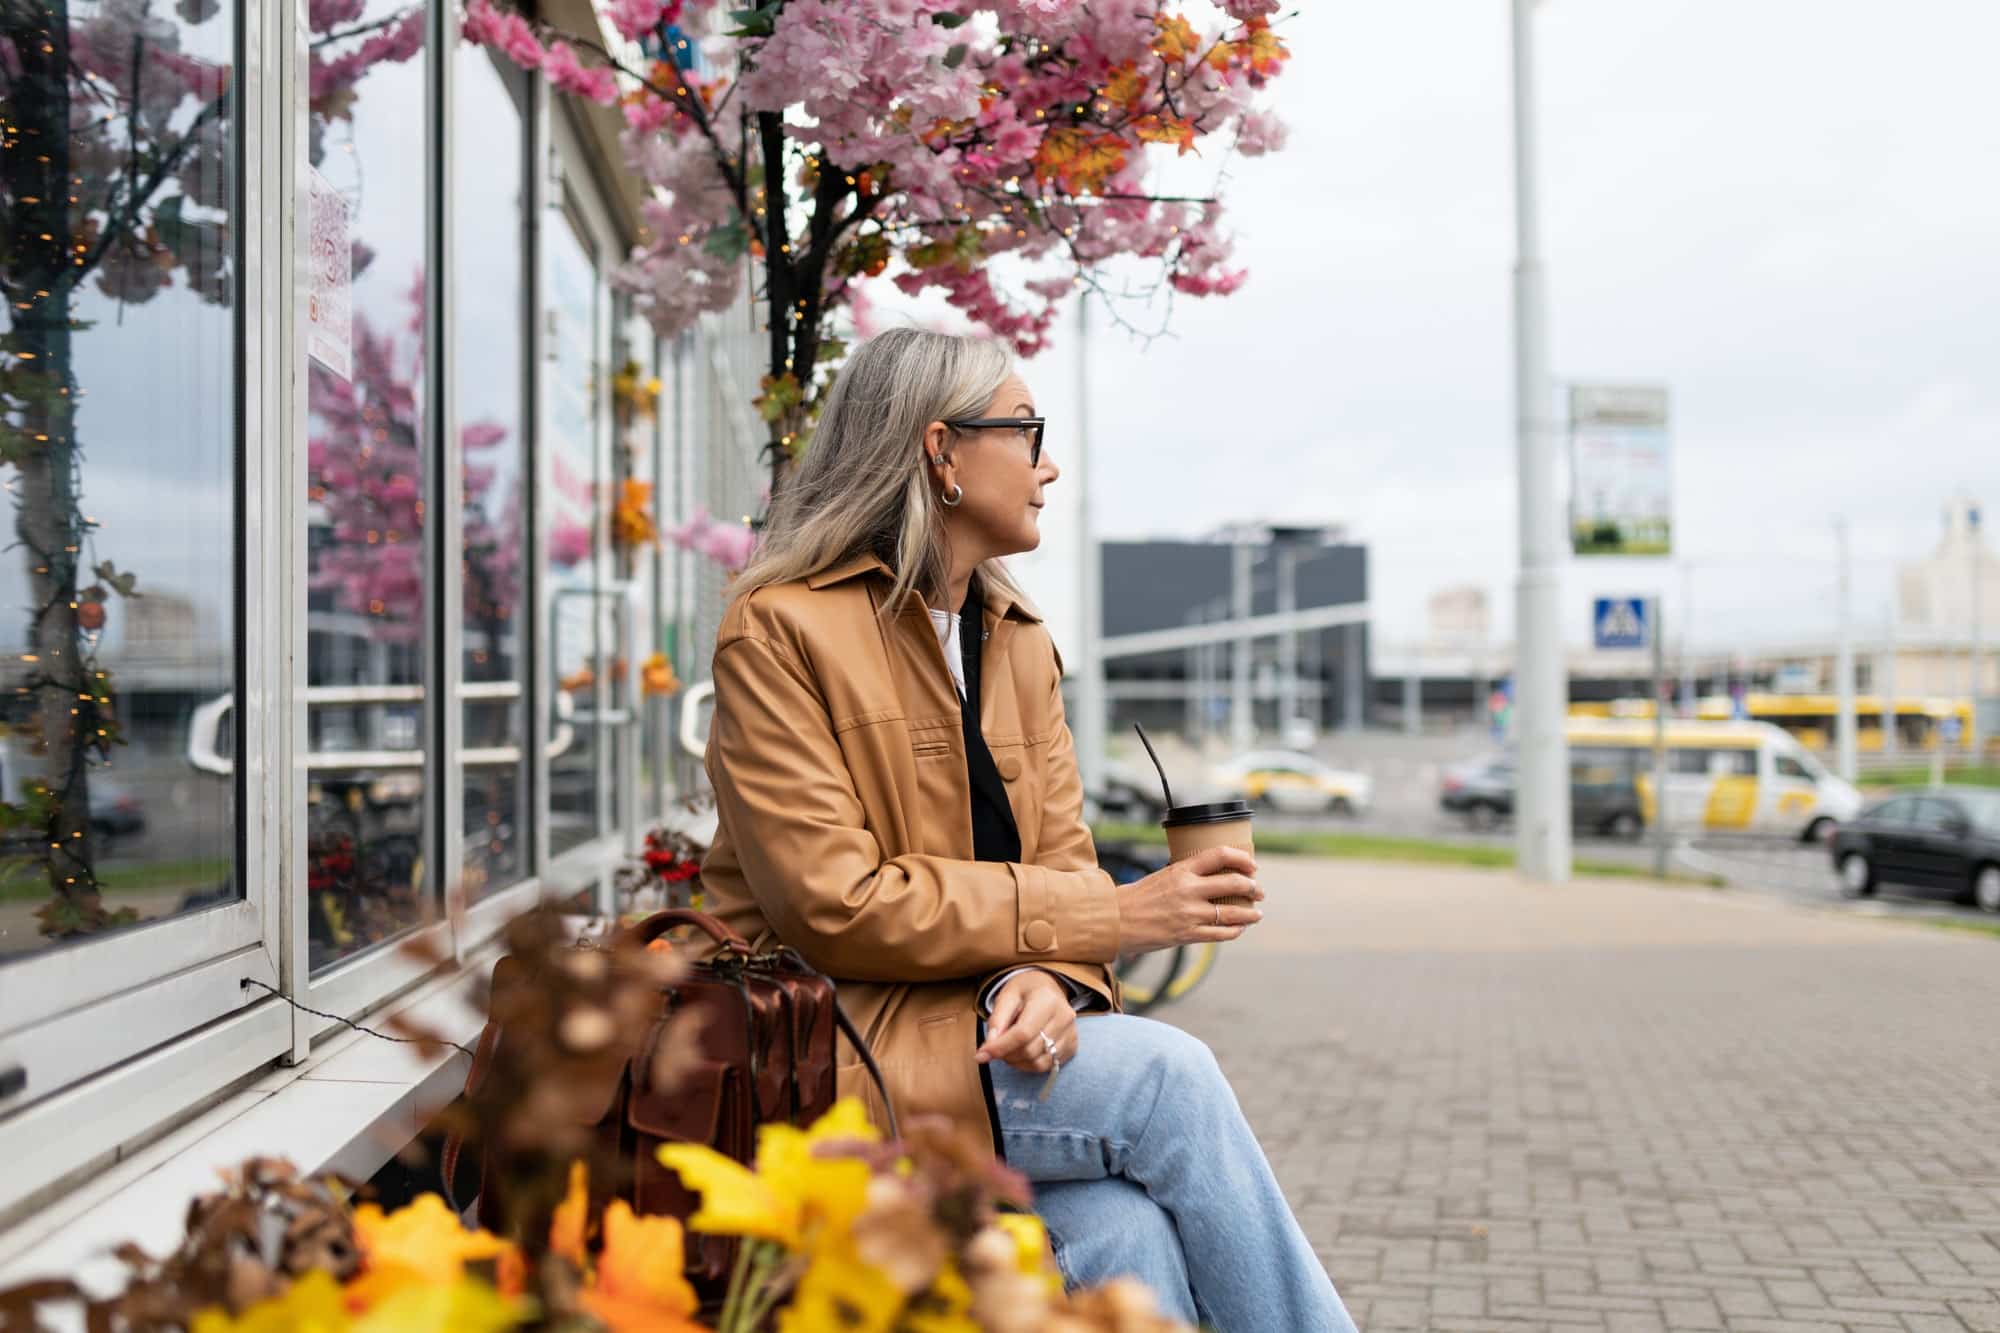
[854, 1039]
[454, 1144]
[659, 923]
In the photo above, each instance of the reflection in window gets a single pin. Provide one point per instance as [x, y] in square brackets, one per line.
[574, 426]
[118, 454]
[367, 492]
[489, 189]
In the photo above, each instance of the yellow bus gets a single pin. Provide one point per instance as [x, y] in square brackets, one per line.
[1810, 719]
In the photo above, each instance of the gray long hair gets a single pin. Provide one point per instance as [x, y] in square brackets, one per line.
[863, 486]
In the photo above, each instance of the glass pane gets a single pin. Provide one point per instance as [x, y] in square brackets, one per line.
[574, 422]
[489, 193]
[367, 492]
[119, 397]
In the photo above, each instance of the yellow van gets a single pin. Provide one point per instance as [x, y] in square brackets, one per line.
[1740, 777]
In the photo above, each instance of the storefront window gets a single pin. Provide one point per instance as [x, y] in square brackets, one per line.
[489, 189]
[368, 492]
[574, 442]
[119, 455]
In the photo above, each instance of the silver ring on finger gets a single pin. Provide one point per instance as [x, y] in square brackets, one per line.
[1218, 916]
[1048, 1044]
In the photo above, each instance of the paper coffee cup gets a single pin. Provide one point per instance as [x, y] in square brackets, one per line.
[1196, 828]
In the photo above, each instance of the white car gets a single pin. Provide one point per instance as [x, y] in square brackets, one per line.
[1293, 783]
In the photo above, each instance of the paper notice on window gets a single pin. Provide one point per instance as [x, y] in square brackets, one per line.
[329, 290]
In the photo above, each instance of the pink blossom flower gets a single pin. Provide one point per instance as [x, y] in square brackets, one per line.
[563, 70]
[1260, 132]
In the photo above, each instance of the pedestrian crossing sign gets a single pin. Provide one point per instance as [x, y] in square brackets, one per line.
[1620, 622]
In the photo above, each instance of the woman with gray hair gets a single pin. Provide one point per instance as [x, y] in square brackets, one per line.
[899, 802]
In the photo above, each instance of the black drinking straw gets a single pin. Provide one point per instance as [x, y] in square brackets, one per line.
[1157, 765]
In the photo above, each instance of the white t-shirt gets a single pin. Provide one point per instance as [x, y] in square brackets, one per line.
[946, 625]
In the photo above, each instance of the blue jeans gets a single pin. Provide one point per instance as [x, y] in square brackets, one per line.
[1144, 1166]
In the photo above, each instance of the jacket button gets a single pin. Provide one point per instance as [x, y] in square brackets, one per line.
[1009, 766]
[1039, 936]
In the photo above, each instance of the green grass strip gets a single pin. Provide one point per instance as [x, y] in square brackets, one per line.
[1381, 847]
[1986, 776]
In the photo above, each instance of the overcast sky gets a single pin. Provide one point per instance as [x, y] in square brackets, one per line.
[1788, 211]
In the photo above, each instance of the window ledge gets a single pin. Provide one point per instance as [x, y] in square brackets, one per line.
[349, 1108]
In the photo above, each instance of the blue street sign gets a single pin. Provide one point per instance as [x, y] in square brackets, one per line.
[1620, 622]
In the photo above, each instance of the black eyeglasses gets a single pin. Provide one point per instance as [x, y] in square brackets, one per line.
[1029, 427]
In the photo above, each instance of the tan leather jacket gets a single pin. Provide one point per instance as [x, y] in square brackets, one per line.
[837, 754]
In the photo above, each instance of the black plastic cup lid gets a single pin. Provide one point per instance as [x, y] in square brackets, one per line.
[1216, 812]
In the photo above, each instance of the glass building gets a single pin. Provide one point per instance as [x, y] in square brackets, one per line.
[317, 637]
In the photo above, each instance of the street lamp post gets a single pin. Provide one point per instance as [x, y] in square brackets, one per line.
[1540, 688]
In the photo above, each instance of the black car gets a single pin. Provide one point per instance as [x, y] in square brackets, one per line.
[1947, 838]
[1603, 791]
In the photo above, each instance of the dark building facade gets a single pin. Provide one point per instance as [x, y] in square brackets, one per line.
[1320, 676]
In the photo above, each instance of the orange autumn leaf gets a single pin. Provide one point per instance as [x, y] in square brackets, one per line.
[423, 1243]
[1220, 55]
[644, 1261]
[567, 1228]
[1166, 129]
[1265, 50]
[1082, 161]
[1176, 40]
[632, 517]
[656, 676]
[1126, 85]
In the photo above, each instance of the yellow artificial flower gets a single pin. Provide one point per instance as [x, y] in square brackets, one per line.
[465, 1306]
[313, 1304]
[425, 1241]
[793, 1193]
[841, 1293]
[945, 1308]
[734, 1201]
[572, 1216]
[1031, 1247]
[644, 1260]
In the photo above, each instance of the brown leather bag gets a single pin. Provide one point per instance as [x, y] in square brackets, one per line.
[766, 1025]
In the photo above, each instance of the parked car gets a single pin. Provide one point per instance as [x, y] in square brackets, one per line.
[1604, 794]
[1292, 783]
[115, 811]
[1944, 839]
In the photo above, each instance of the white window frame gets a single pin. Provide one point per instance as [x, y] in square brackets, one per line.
[95, 1024]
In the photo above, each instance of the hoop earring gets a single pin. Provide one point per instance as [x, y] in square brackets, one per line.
[953, 496]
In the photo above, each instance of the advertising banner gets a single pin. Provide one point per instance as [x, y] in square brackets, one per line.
[1621, 470]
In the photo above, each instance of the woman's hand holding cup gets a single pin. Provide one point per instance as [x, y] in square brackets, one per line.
[1208, 897]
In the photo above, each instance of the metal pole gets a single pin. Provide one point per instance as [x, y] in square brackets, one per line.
[1288, 644]
[1354, 678]
[1690, 692]
[1892, 739]
[1974, 742]
[1090, 728]
[1413, 703]
[1843, 667]
[1242, 726]
[1542, 830]
[1661, 837]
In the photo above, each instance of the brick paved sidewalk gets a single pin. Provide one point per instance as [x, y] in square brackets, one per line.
[1618, 1107]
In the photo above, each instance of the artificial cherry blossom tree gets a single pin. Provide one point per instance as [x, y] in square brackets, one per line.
[1001, 152]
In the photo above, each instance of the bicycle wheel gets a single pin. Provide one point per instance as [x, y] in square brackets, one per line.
[1194, 969]
[1147, 979]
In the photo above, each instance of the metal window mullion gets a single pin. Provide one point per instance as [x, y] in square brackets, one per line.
[536, 621]
[445, 775]
[283, 834]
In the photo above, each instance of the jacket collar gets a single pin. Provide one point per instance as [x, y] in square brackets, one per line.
[999, 602]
